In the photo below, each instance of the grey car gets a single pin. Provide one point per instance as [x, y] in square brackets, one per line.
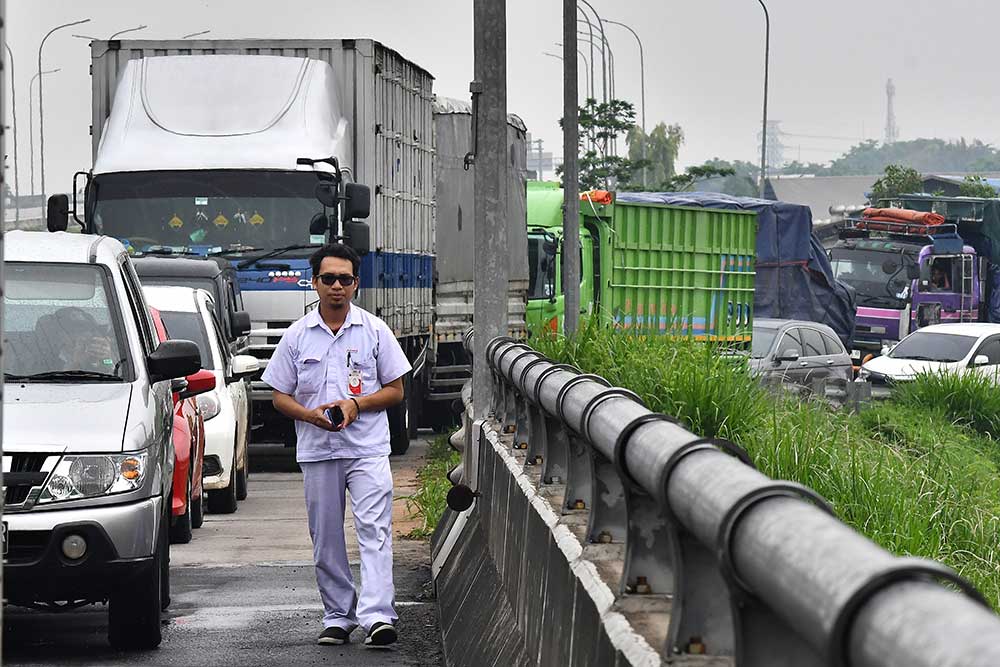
[88, 453]
[798, 352]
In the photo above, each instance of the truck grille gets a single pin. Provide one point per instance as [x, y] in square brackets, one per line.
[24, 472]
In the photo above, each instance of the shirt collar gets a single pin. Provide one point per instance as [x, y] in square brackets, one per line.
[314, 319]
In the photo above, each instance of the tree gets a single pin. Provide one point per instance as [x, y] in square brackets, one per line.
[662, 146]
[976, 186]
[601, 123]
[897, 180]
[924, 155]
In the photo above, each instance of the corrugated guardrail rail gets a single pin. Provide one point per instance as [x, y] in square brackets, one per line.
[745, 566]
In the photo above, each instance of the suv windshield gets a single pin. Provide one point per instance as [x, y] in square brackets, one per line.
[59, 325]
[927, 346]
[205, 211]
[762, 341]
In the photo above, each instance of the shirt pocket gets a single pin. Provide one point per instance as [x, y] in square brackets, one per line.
[311, 374]
[369, 375]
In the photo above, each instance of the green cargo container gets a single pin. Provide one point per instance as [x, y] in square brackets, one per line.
[647, 267]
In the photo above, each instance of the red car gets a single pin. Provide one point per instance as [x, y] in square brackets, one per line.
[189, 447]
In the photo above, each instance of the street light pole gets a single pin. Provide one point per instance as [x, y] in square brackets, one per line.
[122, 32]
[763, 133]
[583, 56]
[13, 113]
[41, 111]
[31, 124]
[642, 89]
[604, 40]
[195, 34]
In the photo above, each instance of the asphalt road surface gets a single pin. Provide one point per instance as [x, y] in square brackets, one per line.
[244, 591]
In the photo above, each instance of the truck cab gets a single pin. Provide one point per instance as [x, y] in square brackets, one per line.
[546, 293]
[907, 276]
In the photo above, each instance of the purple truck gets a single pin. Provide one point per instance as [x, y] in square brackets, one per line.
[908, 275]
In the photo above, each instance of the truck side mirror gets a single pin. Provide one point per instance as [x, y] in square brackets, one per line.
[326, 193]
[57, 214]
[356, 235]
[318, 225]
[357, 201]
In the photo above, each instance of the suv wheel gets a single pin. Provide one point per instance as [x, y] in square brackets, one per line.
[180, 532]
[134, 609]
[223, 501]
[243, 475]
[198, 511]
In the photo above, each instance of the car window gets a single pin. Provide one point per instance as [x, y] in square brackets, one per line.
[761, 342]
[812, 343]
[235, 297]
[189, 326]
[220, 339]
[789, 344]
[833, 345]
[933, 346]
[991, 348]
[143, 320]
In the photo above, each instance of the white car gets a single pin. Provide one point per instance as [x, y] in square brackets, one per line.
[959, 348]
[189, 313]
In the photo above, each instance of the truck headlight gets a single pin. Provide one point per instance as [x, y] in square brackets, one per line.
[209, 404]
[94, 475]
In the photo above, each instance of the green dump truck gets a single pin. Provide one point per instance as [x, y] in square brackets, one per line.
[652, 268]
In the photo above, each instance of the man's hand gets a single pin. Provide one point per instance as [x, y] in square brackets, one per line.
[317, 417]
[350, 410]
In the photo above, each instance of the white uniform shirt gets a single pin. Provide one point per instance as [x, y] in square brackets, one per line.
[316, 366]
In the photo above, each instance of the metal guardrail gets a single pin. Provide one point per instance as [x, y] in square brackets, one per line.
[746, 566]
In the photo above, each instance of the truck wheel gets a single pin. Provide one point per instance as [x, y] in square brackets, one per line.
[134, 609]
[399, 432]
[180, 532]
[223, 501]
[414, 403]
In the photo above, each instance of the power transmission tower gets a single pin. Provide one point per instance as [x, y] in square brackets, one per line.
[891, 131]
[775, 148]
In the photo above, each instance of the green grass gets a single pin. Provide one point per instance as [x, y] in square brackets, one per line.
[919, 475]
[429, 501]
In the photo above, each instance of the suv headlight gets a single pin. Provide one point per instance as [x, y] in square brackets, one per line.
[864, 373]
[94, 475]
[209, 404]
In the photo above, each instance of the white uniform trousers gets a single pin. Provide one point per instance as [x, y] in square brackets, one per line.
[369, 482]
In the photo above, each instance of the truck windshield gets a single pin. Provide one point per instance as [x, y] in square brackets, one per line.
[874, 275]
[204, 211]
[59, 325]
[929, 346]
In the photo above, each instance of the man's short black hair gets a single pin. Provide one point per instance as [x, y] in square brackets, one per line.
[338, 250]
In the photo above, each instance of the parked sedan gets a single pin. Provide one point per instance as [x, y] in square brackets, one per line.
[798, 352]
[187, 509]
[958, 348]
[190, 313]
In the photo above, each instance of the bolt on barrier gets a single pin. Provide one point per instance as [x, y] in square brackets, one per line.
[746, 566]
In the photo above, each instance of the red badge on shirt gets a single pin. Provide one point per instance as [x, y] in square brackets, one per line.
[354, 381]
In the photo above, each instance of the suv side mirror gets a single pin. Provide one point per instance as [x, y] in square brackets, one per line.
[787, 355]
[57, 213]
[174, 359]
[240, 323]
[199, 383]
[357, 201]
[243, 365]
[980, 360]
[356, 235]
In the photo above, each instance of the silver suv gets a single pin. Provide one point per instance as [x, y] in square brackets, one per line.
[87, 444]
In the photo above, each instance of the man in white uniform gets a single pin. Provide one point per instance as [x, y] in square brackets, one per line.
[340, 362]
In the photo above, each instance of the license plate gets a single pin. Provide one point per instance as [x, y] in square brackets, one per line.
[855, 354]
[4, 538]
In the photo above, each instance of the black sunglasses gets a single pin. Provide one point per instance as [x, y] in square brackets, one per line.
[328, 279]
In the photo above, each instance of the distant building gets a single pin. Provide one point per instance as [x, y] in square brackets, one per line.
[950, 185]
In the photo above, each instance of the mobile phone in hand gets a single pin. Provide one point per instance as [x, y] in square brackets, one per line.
[335, 415]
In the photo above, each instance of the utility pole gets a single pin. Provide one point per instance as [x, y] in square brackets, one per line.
[489, 120]
[571, 175]
[3, 70]
[9, 67]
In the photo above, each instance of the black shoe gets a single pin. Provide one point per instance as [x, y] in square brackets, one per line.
[381, 634]
[334, 635]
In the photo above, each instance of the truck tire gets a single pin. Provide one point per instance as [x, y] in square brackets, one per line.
[223, 501]
[134, 609]
[399, 431]
[414, 404]
[180, 532]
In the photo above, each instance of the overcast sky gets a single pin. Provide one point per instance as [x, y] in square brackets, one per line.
[704, 64]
